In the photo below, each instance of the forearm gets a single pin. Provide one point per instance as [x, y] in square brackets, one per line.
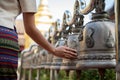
[34, 33]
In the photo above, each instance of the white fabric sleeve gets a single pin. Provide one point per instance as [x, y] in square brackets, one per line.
[28, 5]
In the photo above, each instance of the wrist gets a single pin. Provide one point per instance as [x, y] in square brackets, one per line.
[53, 49]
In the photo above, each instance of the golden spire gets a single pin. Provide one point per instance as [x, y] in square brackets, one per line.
[43, 16]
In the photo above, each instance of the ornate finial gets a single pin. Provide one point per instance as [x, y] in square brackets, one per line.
[66, 18]
[44, 2]
[73, 24]
[78, 16]
[100, 6]
[85, 9]
[57, 33]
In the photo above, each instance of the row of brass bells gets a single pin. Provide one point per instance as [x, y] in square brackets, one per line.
[28, 58]
[57, 61]
[43, 53]
[52, 41]
[97, 44]
[97, 48]
[49, 61]
[37, 58]
[74, 26]
[53, 38]
[73, 42]
[49, 55]
[26, 62]
[59, 41]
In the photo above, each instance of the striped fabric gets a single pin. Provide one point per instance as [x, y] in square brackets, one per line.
[9, 49]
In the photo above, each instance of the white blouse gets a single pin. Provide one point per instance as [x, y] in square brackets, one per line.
[10, 9]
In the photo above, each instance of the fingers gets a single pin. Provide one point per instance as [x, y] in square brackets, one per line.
[66, 52]
[72, 51]
[70, 54]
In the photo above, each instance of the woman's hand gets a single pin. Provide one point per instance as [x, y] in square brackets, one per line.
[65, 52]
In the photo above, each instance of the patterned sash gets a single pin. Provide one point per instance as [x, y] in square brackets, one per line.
[9, 50]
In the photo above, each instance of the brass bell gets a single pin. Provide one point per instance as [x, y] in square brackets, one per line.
[97, 49]
[43, 53]
[49, 55]
[75, 26]
[58, 41]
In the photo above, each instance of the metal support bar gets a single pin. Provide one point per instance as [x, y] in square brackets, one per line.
[52, 74]
[38, 74]
[24, 74]
[117, 21]
[56, 74]
[30, 74]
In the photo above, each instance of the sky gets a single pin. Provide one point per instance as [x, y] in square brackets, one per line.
[57, 7]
